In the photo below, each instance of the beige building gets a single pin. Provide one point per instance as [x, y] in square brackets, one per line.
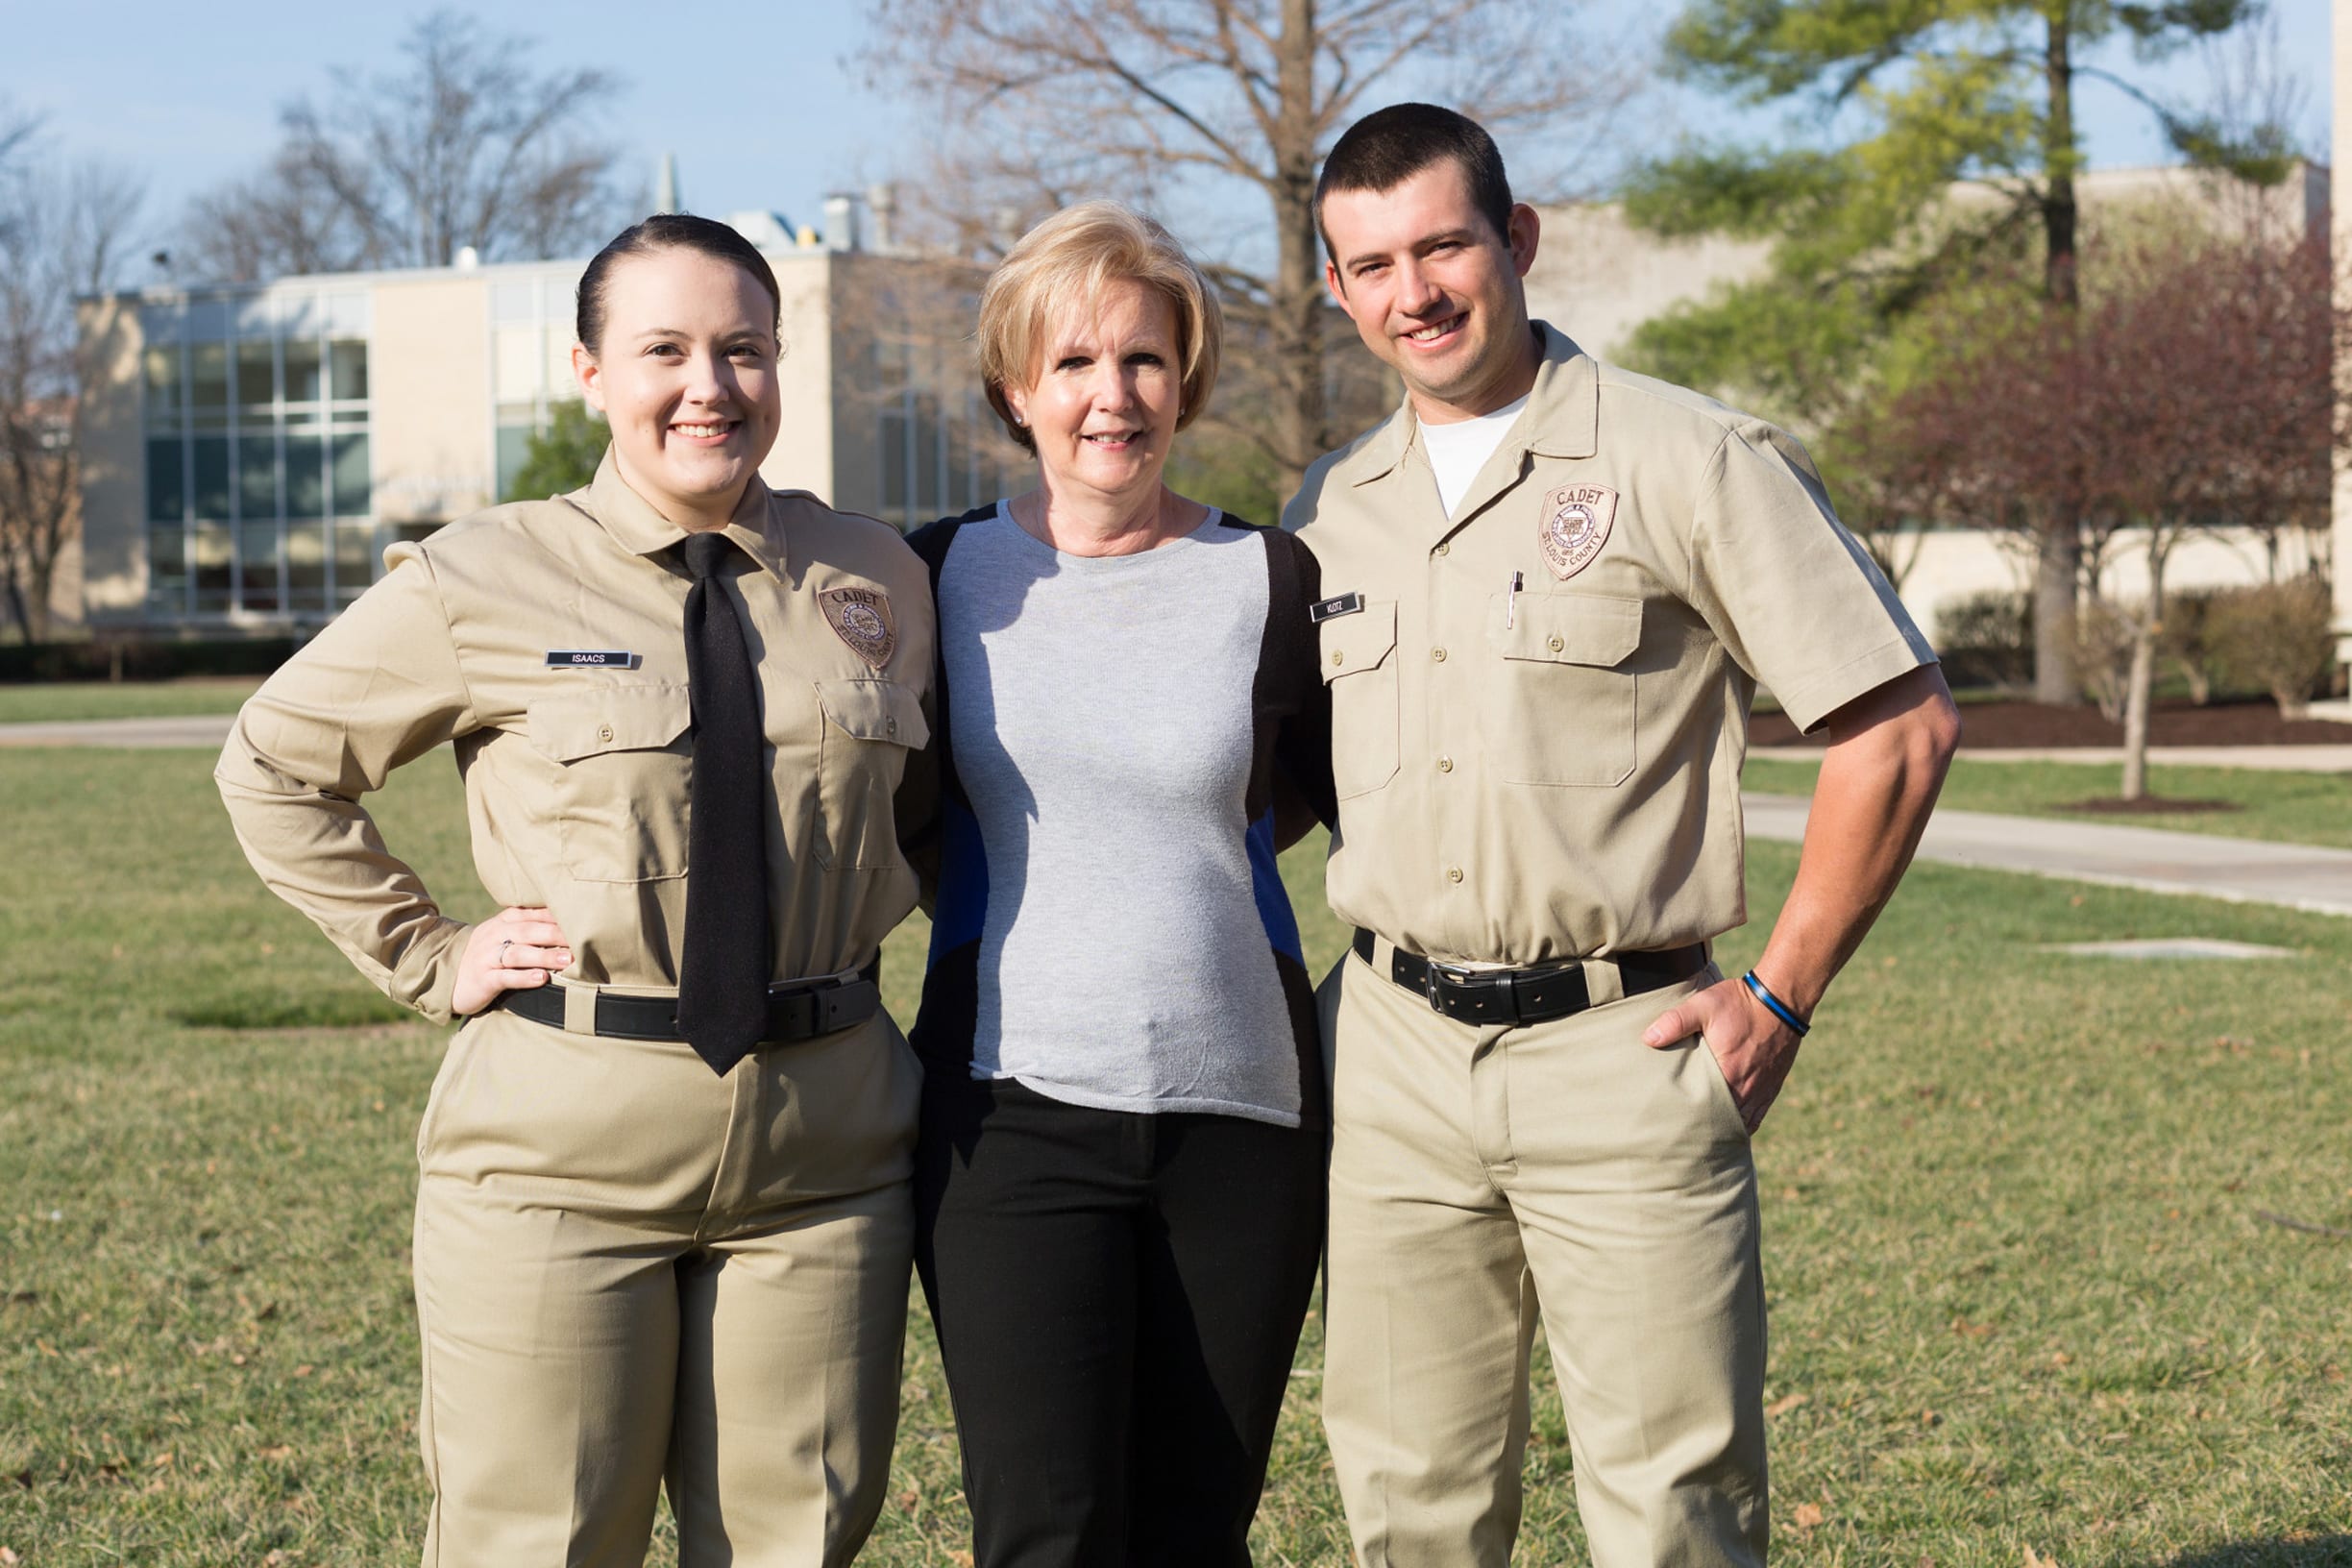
[249, 452]
[1599, 278]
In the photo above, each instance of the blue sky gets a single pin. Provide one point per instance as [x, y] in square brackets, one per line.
[768, 110]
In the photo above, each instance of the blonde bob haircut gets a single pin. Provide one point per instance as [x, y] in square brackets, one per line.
[1063, 265]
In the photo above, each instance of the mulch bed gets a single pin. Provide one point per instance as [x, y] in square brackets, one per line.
[2001, 725]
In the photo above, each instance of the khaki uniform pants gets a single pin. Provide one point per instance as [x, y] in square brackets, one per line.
[629, 1270]
[1477, 1172]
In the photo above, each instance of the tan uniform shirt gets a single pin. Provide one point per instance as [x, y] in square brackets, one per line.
[577, 773]
[1539, 711]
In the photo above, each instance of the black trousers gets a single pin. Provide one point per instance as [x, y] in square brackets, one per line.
[1118, 1298]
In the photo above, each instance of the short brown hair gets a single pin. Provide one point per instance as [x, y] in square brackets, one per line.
[1064, 262]
[1389, 146]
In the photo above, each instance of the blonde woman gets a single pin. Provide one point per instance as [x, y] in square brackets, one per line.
[1120, 1172]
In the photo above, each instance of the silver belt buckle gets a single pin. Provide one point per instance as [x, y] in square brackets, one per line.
[1461, 974]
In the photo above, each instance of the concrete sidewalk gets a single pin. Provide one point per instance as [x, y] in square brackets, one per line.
[204, 731]
[2278, 759]
[2240, 871]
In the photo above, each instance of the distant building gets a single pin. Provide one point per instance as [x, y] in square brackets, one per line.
[249, 452]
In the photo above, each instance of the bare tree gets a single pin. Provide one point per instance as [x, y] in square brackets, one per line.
[467, 146]
[62, 233]
[1217, 112]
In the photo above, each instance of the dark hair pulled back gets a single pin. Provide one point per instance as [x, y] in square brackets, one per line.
[1389, 146]
[668, 232]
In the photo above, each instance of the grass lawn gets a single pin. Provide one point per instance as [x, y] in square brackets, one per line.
[51, 701]
[2295, 808]
[2023, 1297]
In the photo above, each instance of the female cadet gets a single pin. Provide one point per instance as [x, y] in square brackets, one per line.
[663, 1223]
[1120, 1180]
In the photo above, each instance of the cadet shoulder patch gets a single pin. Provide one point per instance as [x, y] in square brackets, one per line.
[1574, 526]
[861, 616]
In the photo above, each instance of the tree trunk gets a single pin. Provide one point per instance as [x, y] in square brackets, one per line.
[2058, 571]
[2136, 698]
[1296, 297]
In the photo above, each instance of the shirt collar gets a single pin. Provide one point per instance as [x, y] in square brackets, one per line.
[635, 523]
[1562, 417]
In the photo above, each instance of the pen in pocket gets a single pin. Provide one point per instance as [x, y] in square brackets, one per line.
[1510, 605]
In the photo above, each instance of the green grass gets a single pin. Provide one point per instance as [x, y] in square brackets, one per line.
[2021, 1293]
[52, 701]
[2292, 808]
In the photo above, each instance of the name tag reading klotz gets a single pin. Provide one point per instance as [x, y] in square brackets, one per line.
[1324, 610]
[590, 658]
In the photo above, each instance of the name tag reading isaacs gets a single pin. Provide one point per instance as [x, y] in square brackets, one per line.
[590, 658]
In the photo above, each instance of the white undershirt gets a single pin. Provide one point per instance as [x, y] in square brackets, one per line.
[1456, 451]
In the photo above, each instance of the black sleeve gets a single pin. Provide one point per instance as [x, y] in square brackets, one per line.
[933, 775]
[1290, 687]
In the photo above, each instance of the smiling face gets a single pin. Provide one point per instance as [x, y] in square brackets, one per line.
[1105, 392]
[686, 374]
[1434, 291]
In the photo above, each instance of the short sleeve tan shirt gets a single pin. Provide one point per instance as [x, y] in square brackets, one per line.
[578, 769]
[1539, 708]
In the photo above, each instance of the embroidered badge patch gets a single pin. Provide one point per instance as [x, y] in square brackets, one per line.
[861, 616]
[1575, 526]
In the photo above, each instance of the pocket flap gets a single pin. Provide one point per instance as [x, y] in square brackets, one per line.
[1361, 641]
[1569, 628]
[876, 710]
[610, 718]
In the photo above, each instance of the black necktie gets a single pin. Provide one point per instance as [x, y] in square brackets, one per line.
[723, 972]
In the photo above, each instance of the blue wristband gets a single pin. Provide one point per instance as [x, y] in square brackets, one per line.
[1776, 1006]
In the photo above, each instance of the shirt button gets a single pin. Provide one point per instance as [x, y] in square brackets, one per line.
[1441, 550]
[889, 726]
[1338, 657]
[603, 732]
[1437, 653]
[1445, 765]
[1453, 873]
[1553, 643]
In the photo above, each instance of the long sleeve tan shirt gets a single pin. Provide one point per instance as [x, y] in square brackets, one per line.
[545, 640]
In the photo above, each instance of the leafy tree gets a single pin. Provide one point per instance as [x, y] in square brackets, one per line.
[465, 146]
[1224, 109]
[1867, 229]
[2193, 390]
[563, 456]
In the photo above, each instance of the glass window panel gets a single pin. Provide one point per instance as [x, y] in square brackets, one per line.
[893, 441]
[515, 366]
[255, 317]
[513, 452]
[257, 566]
[208, 559]
[162, 322]
[353, 493]
[257, 476]
[306, 555]
[926, 457]
[347, 314]
[350, 368]
[302, 370]
[212, 478]
[166, 487]
[209, 364]
[306, 473]
[354, 560]
[168, 565]
[163, 387]
[256, 374]
[209, 319]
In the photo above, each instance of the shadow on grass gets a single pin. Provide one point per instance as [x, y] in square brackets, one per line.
[318, 1010]
[2301, 1552]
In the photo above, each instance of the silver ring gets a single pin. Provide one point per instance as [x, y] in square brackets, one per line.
[502, 947]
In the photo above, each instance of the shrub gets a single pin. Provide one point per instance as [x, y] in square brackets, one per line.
[2101, 634]
[2276, 636]
[1986, 639]
[2183, 641]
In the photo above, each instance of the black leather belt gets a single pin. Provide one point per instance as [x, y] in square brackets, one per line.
[1531, 996]
[801, 1011]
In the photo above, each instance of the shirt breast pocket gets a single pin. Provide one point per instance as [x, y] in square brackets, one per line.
[870, 728]
[1560, 708]
[627, 770]
[1359, 652]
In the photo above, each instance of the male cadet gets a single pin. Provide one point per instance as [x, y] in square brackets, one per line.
[1554, 588]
